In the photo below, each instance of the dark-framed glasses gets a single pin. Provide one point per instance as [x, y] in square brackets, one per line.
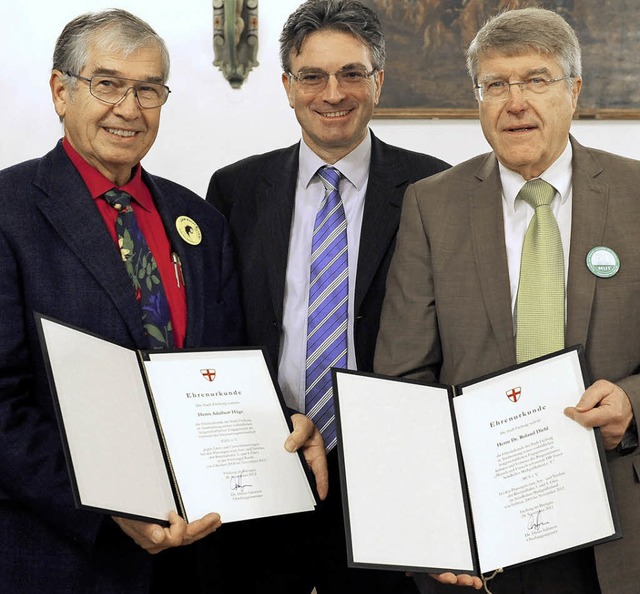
[112, 89]
[499, 90]
[317, 80]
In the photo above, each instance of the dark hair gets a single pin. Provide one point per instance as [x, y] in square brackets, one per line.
[348, 16]
[113, 29]
[515, 32]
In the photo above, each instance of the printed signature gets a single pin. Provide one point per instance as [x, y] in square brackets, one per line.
[535, 521]
[237, 484]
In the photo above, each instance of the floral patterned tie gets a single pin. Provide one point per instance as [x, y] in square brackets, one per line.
[143, 272]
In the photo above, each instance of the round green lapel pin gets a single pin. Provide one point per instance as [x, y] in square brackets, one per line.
[603, 262]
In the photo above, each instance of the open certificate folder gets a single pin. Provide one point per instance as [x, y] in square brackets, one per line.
[149, 432]
[495, 477]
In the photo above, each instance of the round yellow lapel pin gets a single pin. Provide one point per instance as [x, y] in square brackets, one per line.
[189, 230]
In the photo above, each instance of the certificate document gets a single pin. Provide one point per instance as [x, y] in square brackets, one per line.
[225, 429]
[150, 431]
[494, 477]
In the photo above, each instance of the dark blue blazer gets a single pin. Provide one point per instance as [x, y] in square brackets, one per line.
[57, 258]
[257, 195]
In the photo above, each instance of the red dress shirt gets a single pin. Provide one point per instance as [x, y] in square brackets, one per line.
[151, 226]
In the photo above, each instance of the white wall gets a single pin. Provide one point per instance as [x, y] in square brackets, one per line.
[206, 123]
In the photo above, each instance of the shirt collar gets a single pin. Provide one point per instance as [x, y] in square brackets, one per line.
[98, 184]
[558, 175]
[354, 167]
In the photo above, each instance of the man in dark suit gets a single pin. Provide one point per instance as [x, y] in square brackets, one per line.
[456, 292]
[332, 55]
[63, 254]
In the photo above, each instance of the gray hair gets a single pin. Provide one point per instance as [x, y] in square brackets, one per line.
[110, 29]
[347, 16]
[519, 31]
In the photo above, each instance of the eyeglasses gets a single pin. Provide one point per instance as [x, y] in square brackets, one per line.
[498, 90]
[112, 89]
[317, 80]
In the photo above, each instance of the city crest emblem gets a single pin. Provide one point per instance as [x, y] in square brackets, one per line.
[208, 374]
[514, 394]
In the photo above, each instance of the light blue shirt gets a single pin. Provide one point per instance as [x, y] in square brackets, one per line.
[354, 169]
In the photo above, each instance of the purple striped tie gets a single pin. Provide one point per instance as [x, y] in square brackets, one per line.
[328, 294]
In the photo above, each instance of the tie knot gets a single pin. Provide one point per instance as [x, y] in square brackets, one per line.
[330, 178]
[119, 199]
[537, 192]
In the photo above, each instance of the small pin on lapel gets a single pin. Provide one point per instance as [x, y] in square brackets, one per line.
[188, 230]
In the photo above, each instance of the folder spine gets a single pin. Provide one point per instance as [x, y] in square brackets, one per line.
[175, 488]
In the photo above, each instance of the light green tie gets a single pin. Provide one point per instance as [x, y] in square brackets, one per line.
[540, 303]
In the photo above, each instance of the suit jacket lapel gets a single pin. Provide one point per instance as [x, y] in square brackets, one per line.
[275, 199]
[590, 198]
[69, 208]
[487, 232]
[382, 208]
[169, 209]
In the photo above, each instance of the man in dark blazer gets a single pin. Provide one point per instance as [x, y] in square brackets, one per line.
[451, 310]
[59, 256]
[332, 55]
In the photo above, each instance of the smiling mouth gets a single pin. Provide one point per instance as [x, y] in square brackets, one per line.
[122, 133]
[335, 114]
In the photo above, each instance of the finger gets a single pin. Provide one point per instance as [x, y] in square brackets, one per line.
[321, 474]
[458, 580]
[613, 414]
[594, 394]
[444, 578]
[152, 533]
[150, 537]
[468, 580]
[303, 428]
[202, 527]
[211, 521]
[591, 410]
[175, 534]
[588, 400]
[588, 419]
[316, 459]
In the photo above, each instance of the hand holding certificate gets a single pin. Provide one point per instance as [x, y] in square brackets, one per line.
[155, 539]
[149, 432]
[496, 477]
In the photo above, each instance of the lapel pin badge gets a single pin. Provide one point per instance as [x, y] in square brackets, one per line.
[603, 262]
[189, 230]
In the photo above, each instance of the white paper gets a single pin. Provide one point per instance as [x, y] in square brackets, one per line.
[112, 441]
[535, 481]
[404, 490]
[225, 431]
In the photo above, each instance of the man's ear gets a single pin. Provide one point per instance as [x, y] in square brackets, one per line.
[286, 83]
[59, 92]
[379, 79]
